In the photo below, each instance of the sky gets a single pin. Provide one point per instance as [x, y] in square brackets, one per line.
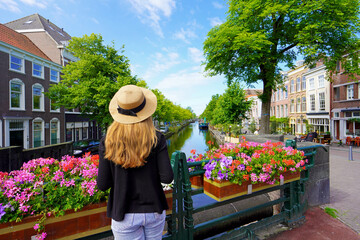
[163, 39]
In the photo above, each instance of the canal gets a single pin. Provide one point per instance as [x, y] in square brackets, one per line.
[189, 138]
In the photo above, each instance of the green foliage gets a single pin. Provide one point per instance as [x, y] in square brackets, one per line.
[90, 83]
[331, 211]
[230, 107]
[252, 126]
[258, 35]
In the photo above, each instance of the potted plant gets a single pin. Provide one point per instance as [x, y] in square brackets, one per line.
[238, 169]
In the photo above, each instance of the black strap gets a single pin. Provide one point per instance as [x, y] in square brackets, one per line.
[133, 111]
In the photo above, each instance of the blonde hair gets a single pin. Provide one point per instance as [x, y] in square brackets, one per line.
[129, 145]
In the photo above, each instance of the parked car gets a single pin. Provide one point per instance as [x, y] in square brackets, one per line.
[83, 146]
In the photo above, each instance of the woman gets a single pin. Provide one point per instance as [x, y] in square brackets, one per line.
[134, 161]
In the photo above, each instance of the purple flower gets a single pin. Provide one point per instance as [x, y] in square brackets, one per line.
[241, 167]
[2, 210]
[220, 175]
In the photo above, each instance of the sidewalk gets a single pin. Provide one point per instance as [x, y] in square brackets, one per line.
[344, 197]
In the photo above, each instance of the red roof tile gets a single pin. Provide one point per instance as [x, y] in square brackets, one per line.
[20, 41]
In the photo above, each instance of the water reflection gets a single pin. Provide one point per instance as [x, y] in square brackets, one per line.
[191, 137]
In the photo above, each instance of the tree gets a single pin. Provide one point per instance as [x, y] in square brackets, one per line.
[90, 83]
[209, 111]
[259, 35]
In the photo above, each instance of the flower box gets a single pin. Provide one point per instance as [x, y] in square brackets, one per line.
[169, 198]
[222, 190]
[88, 221]
[197, 181]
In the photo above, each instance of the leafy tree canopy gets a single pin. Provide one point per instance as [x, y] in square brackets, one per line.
[258, 35]
[90, 83]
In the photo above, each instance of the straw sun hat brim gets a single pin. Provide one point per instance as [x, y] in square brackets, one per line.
[147, 111]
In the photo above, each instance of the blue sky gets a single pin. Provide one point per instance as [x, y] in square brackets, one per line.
[163, 39]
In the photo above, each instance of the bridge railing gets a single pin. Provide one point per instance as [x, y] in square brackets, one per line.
[180, 224]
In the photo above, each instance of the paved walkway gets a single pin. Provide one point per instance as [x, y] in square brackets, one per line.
[344, 197]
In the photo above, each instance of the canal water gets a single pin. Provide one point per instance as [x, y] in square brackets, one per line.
[189, 138]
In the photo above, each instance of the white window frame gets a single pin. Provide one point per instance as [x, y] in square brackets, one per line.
[303, 87]
[57, 75]
[37, 85]
[292, 105]
[22, 64]
[311, 83]
[298, 104]
[350, 92]
[42, 143]
[322, 101]
[57, 110]
[321, 80]
[22, 96]
[303, 104]
[298, 84]
[58, 129]
[286, 92]
[292, 86]
[41, 76]
[312, 102]
[286, 110]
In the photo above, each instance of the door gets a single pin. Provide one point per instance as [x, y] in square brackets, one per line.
[17, 138]
[337, 129]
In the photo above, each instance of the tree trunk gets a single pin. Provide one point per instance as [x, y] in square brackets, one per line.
[265, 109]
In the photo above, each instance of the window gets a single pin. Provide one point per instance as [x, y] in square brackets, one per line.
[292, 106]
[53, 108]
[336, 94]
[282, 111]
[286, 91]
[277, 111]
[350, 92]
[54, 75]
[17, 96]
[38, 70]
[292, 86]
[16, 63]
[312, 102]
[38, 132]
[298, 105]
[303, 104]
[54, 131]
[278, 95]
[322, 101]
[311, 83]
[336, 114]
[38, 97]
[281, 94]
[298, 84]
[304, 83]
[286, 110]
[85, 133]
[321, 81]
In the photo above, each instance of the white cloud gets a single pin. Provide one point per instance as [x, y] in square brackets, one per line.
[185, 35]
[217, 5]
[161, 62]
[95, 20]
[196, 54]
[190, 87]
[150, 11]
[215, 21]
[10, 5]
[36, 3]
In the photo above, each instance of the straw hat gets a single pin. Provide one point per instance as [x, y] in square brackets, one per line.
[132, 104]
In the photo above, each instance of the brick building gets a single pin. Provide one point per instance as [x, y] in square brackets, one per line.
[52, 40]
[27, 117]
[345, 111]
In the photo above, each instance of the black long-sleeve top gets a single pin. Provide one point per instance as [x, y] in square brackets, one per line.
[136, 190]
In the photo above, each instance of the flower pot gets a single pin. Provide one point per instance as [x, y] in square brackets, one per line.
[197, 181]
[169, 198]
[88, 221]
[222, 190]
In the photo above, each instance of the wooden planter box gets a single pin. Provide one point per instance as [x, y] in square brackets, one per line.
[88, 221]
[197, 181]
[224, 190]
[169, 198]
